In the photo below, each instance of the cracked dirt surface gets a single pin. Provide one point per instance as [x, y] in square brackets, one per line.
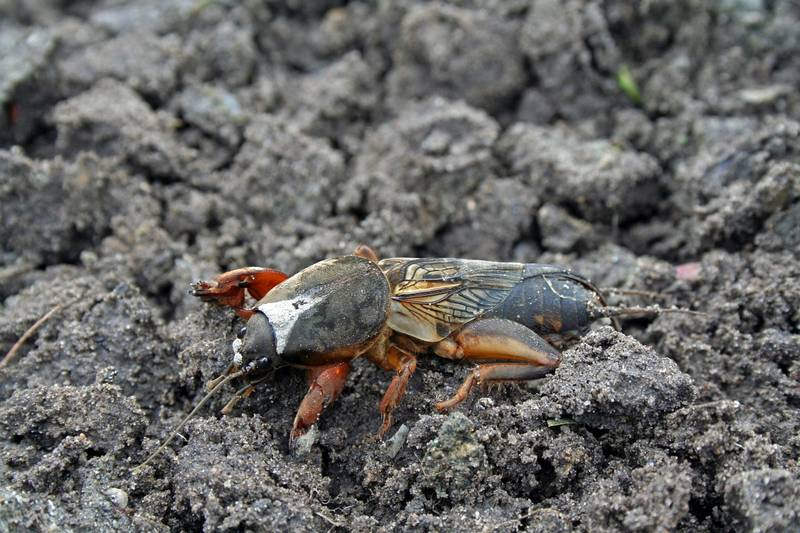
[651, 146]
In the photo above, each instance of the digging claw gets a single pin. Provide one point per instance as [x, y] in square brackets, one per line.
[205, 290]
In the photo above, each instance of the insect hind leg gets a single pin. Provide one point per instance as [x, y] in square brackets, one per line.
[488, 374]
[509, 351]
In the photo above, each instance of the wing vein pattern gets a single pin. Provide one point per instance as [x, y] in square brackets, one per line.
[432, 297]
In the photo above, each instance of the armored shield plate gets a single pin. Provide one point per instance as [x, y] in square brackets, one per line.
[330, 308]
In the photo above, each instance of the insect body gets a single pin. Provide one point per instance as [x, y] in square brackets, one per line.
[505, 317]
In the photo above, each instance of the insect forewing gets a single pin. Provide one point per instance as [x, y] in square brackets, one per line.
[432, 297]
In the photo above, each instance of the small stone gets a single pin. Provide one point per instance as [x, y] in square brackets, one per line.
[397, 441]
[118, 497]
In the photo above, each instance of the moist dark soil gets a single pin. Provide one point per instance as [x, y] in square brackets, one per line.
[651, 146]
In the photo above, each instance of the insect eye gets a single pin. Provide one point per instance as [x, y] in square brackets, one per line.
[241, 333]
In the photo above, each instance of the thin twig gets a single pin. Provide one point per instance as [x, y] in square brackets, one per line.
[329, 520]
[27, 335]
[519, 520]
[10, 272]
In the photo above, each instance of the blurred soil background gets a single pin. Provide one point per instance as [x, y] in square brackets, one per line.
[649, 145]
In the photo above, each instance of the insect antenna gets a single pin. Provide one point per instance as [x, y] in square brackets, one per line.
[612, 311]
[244, 392]
[188, 417]
[634, 292]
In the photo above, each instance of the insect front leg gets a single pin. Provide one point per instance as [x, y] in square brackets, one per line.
[517, 354]
[324, 385]
[228, 289]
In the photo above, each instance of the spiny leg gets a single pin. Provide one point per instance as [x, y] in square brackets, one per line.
[493, 373]
[229, 288]
[387, 354]
[521, 354]
[405, 364]
[324, 385]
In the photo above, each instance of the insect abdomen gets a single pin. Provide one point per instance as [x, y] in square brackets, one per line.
[548, 304]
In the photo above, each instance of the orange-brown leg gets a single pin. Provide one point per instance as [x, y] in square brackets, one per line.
[494, 373]
[324, 385]
[389, 356]
[362, 250]
[405, 364]
[229, 288]
[520, 355]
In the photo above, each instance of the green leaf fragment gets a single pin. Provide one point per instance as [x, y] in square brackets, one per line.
[555, 422]
[628, 84]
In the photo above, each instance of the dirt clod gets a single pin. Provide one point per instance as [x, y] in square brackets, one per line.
[653, 147]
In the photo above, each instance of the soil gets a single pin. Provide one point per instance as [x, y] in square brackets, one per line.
[651, 146]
